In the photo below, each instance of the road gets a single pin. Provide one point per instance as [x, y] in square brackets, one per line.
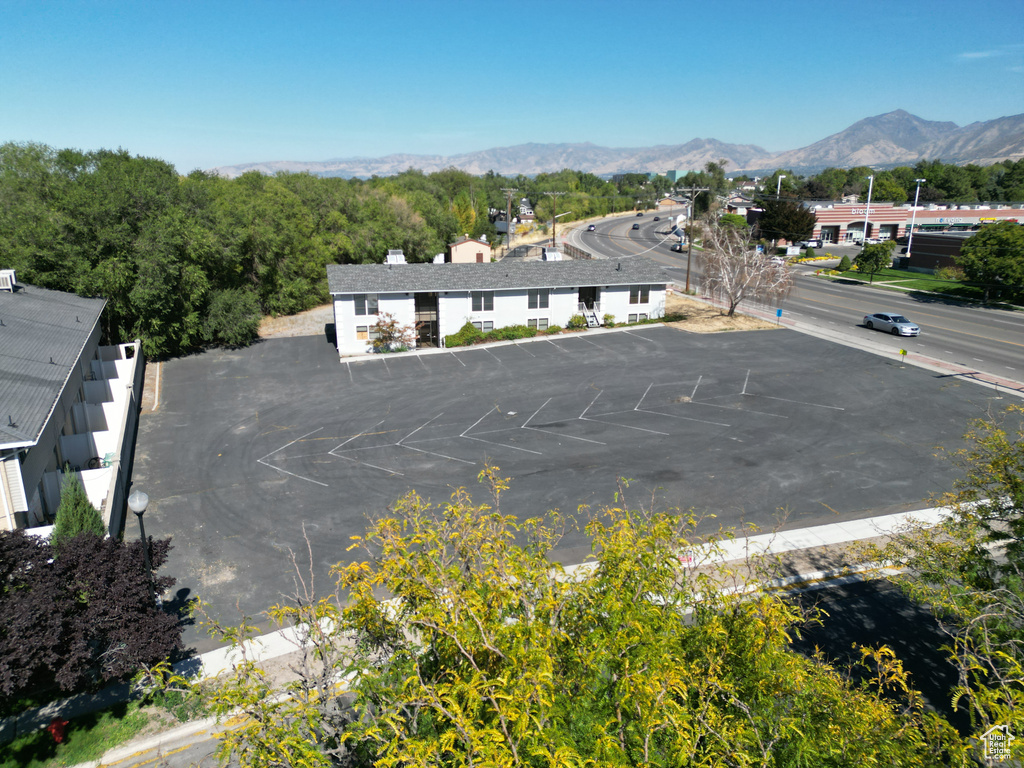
[979, 338]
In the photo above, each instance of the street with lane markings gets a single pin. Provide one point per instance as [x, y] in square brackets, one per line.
[986, 339]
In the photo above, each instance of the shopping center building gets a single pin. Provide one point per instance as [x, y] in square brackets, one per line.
[852, 222]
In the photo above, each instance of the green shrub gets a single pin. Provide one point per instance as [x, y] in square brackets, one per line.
[510, 333]
[953, 274]
[466, 335]
[576, 322]
[609, 320]
[810, 254]
[553, 329]
[844, 264]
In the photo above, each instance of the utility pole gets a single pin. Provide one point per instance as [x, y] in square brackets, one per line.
[554, 217]
[508, 216]
[689, 232]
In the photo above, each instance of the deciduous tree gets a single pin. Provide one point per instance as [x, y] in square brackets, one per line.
[734, 271]
[994, 256]
[784, 220]
[875, 257]
[464, 644]
[970, 570]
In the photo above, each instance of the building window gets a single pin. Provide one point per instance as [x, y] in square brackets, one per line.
[540, 323]
[361, 334]
[639, 294]
[632, 319]
[483, 301]
[484, 325]
[366, 303]
[538, 298]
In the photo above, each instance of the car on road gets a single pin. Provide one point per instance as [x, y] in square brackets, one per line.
[657, 218]
[639, 213]
[636, 226]
[591, 228]
[895, 324]
[813, 243]
[677, 247]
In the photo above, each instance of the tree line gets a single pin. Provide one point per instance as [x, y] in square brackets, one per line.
[944, 183]
[186, 262]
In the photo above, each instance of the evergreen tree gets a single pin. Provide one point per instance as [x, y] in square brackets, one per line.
[76, 514]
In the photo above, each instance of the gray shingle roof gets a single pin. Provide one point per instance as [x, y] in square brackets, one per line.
[502, 275]
[41, 338]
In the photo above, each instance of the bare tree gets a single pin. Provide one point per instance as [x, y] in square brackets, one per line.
[734, 271]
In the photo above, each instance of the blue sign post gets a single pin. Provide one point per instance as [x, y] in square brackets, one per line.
[778, 316]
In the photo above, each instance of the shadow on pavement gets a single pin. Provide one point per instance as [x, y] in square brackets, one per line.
[875, 613]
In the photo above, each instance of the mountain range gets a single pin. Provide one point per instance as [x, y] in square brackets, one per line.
[895, 138]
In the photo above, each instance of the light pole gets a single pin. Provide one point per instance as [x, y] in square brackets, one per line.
[913, 215]
[137, 503]
[867, 211]
[778, 187]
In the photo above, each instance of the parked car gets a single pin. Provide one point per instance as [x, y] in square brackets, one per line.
[591, 228]
[815, 243]
[895, 324]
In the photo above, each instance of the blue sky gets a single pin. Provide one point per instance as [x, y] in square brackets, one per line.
[203, 84]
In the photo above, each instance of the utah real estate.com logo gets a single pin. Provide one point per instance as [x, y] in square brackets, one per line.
[997, 740]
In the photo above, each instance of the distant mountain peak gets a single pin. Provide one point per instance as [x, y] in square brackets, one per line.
[892, 138]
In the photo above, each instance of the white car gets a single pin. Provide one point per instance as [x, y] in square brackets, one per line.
[895, 324]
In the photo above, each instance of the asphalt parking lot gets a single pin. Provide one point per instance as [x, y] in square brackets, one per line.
[251, 448]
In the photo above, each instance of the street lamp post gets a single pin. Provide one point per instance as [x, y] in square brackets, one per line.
[778, 187]
[913, 216]
[137, 503]
[867, 211]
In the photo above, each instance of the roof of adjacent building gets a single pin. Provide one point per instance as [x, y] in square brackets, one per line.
[42, 336]
[502, 275]
[468, 239]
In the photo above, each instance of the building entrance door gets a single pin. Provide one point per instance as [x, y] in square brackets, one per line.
[426, 320]
[588, 296]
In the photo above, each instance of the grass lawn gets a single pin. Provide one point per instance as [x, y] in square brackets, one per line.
[85, 738]
[912, 281]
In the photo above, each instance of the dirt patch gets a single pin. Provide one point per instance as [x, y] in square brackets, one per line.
[705, 318]
[308, 323]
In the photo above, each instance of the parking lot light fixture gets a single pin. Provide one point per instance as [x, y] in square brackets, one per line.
[137, 503]
[778, 187]
[913, 215]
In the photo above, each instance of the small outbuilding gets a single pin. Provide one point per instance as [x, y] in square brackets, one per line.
[469, 250]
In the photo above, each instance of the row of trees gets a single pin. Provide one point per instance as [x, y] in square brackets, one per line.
[999, 182]
[186, 262]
